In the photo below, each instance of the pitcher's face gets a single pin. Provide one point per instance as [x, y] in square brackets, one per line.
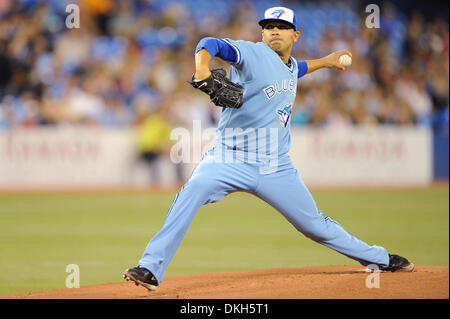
[279, 36]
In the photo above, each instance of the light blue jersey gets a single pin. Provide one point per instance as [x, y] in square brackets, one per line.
[262, 124]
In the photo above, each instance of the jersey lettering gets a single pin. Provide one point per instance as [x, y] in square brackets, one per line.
[279, 88]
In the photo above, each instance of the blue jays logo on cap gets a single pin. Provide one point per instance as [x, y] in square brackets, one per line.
[279, 14]
[285, 114]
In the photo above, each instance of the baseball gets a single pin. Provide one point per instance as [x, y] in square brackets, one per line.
[345, 60]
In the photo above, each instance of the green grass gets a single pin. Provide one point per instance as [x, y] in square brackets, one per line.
[40, 234]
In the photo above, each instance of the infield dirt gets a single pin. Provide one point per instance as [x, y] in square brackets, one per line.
[322, 282]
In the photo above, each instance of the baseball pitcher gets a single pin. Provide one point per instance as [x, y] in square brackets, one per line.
[251, 149]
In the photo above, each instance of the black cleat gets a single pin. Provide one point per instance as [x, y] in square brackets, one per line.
[141, 276]
[399, 263]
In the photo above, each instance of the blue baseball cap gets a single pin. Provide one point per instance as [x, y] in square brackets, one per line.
[277, 14]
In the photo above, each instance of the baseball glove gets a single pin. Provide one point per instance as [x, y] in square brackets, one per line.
[222, 91]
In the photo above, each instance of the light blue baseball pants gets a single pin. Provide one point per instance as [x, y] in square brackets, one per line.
[283, 189]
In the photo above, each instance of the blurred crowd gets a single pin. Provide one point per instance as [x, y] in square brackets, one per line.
[129, 60]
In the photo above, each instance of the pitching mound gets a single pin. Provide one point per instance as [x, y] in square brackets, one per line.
[328, 282]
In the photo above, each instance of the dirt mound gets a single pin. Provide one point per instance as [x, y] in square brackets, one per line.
[324, 282]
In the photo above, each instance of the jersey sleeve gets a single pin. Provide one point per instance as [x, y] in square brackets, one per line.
[221, 48]
[302, 68]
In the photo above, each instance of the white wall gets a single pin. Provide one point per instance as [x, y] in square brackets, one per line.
[80, 157]
[377, 156]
